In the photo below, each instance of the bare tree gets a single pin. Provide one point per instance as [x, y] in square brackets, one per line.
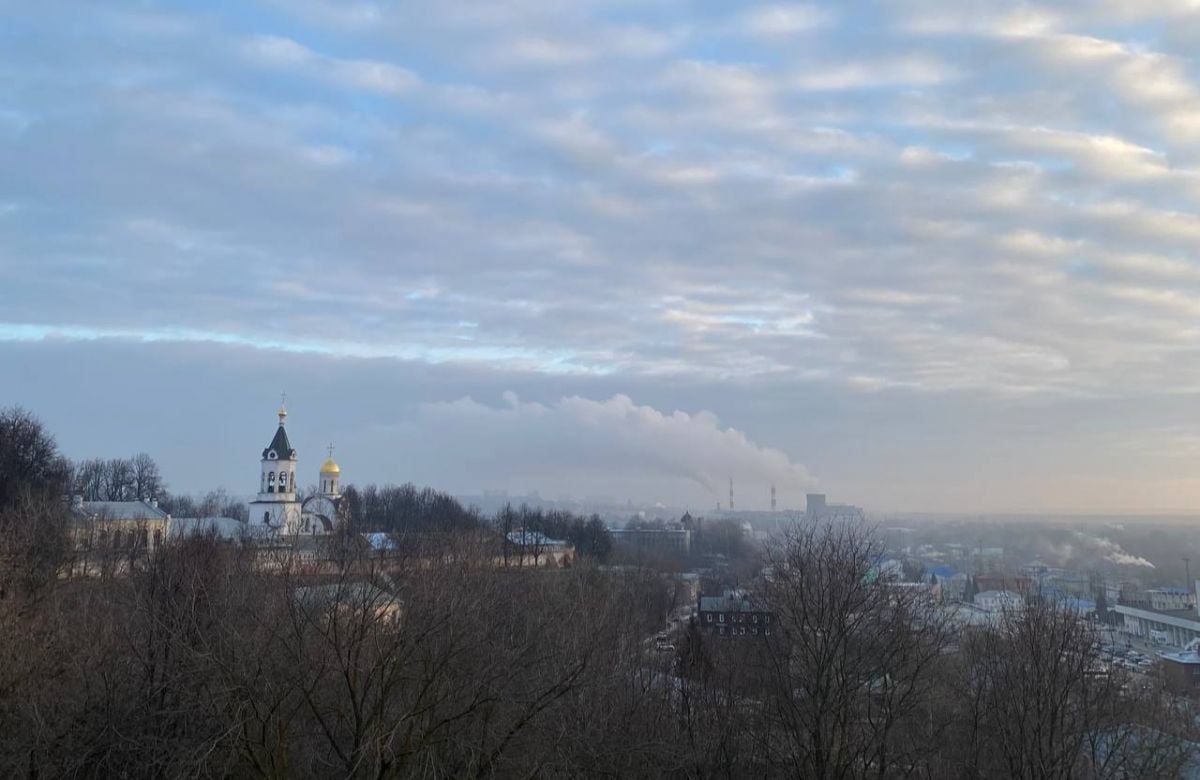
[147, 481]
[850, 659]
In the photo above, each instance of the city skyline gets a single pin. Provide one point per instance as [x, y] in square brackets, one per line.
[917, 256]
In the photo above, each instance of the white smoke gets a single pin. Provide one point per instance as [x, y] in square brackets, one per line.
[578, 444]
[1115, 553]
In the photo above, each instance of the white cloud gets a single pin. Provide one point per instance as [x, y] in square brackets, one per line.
[370, 75]
[782, 21]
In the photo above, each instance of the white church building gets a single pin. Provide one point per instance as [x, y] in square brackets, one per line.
[278, 506]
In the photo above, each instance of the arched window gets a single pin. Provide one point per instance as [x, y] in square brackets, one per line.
[266, 518]
[271, 482]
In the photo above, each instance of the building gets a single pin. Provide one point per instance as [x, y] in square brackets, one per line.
[1181, 670]
[663, 541]
[1175, 627]
[277, 505]
[1022, 585]
[816, 507]
[118, 525]
[953, 587]
[1168, 599]
[534, 547]
[999, 601]
[733, 613]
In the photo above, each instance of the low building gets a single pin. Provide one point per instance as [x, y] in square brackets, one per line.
[118, 525]
[534, 547]
[953, 587]
[999, 601]
[733, 613]
[985, 582]
[1175, 627]
[1181, 670]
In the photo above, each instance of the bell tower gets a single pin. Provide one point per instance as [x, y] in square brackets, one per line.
[276, 505]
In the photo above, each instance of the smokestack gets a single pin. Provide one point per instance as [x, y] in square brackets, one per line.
[772, 498]
[731, 494]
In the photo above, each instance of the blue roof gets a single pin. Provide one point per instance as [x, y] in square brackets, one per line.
[943, 570]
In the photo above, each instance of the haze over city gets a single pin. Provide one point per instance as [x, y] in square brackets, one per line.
[916, 255]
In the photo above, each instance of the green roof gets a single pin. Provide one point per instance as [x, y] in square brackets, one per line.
[281, 446]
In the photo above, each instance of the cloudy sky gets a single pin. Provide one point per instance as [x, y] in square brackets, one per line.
[921, 254]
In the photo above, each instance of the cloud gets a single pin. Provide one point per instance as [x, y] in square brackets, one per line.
[588, 447]
[780, 21]
[900, 200]
[373, 76]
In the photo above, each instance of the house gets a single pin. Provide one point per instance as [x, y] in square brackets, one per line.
[350, 599]
[536, 548]
[986, 582]
[118, 525]
[999, 601]
[733, 613]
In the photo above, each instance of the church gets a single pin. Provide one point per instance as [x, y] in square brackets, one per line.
[278, 505]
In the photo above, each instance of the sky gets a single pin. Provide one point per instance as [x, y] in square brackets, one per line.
[921, 255]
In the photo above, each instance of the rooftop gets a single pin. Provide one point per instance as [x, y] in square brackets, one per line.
[120, 510]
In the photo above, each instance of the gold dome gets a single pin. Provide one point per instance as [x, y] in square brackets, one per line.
[330, 467]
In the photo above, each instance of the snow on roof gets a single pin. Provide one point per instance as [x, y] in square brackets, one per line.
[223, 527]
[523, 538]
[379, 540]
[121, 510]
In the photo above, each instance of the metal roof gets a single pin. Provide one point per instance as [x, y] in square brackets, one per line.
[121, 510]
[281, 445]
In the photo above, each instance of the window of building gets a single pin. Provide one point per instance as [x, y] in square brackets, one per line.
[709, 616]
[766, 618]
[266, 518]
[721, 618]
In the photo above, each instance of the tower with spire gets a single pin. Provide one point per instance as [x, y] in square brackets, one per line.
[276, 506]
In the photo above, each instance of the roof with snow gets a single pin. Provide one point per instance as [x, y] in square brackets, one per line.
[523, 538]
[120, 510]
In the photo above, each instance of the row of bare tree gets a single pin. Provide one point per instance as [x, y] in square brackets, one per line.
[207, 658]
[211, 659]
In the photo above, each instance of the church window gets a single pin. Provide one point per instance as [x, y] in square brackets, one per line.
[266, 518]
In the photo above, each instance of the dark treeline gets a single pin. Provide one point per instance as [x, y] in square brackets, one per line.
[589, 535]
[212, 659]
[118, 479]
[406, 508]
